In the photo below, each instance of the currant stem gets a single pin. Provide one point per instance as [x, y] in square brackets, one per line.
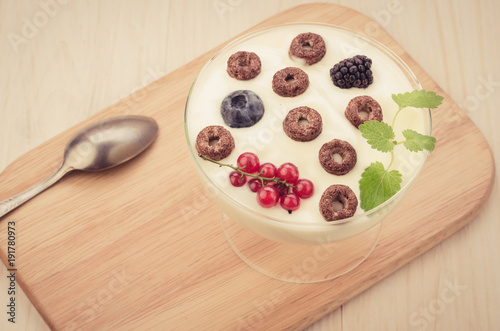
[262, 179]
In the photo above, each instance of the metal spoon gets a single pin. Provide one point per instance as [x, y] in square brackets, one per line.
[100, 146]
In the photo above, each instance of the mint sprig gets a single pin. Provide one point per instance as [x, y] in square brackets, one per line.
[379, 135]
[417, 142]
[379, 183]
[418, 99]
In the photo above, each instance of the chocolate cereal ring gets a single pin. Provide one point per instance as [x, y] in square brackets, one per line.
[303, 132]
[346, 152]
[214, 142]
[308, 46]
[363, 104]
[290, 82]
[338, 193]
[243, 65]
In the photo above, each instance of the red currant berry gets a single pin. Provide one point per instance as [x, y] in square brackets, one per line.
[268, 196]
[290, 202]
[249, 162]
[282, 188]
[255, 184]
[304, 188]
[268, 170]
[288, 172]
[237, 179]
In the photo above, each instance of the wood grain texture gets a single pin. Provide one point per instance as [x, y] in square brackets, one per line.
[350, 317]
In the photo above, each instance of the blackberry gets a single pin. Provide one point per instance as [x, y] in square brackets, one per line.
[352, 72]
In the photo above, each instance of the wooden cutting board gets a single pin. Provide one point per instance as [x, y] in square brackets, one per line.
[141, 246]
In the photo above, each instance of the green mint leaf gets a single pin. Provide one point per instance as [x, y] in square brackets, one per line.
[377, 185]
[380, 135]
[418, 99]
[416, 142]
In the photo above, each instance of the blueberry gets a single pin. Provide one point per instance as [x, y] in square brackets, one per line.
[241, 109]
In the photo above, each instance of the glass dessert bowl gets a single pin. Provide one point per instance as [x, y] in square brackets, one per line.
[267, 139]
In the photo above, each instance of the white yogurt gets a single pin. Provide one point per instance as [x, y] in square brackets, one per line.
[268, 140]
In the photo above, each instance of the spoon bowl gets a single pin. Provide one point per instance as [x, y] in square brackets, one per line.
[99, 146]
[110, 142]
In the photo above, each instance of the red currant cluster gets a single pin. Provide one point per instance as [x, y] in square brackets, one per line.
[271, 184]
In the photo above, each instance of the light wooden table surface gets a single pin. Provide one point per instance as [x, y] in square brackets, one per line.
[62, 61]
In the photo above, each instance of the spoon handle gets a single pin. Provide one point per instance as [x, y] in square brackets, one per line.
[12, 203]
